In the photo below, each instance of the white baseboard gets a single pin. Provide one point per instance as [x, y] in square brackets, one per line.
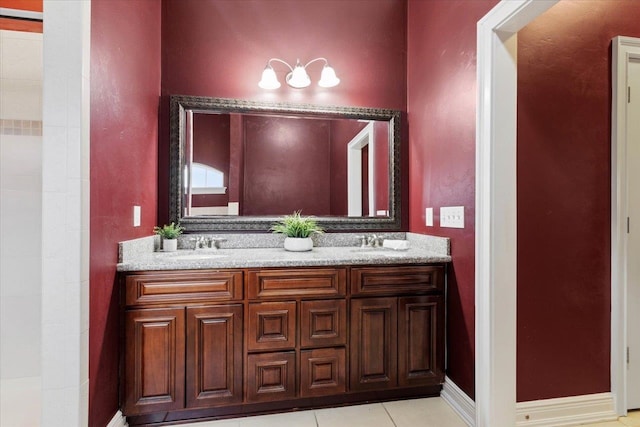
[464, 406]
[118, 420]
[566, 411]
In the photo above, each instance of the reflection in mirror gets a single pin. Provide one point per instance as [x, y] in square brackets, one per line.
[236, 165]
[253, 164]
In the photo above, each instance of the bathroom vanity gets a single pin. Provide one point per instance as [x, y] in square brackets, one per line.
[251, 331]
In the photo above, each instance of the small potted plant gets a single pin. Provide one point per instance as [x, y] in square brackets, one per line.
[298, 231]
[169, 234]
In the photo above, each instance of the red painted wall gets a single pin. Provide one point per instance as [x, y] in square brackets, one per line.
[125, 85]
[286, 162]
[441, 108]
[564, 128]
[211, 146]
[219, 48]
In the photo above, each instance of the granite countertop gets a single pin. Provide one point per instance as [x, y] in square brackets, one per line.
[278, 257]
[265, 250]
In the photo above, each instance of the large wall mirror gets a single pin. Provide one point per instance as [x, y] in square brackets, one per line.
[239, 165]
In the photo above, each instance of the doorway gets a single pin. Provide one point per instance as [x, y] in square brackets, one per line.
[625, 223]
[633, 268]
[633, 236]
[361, 189]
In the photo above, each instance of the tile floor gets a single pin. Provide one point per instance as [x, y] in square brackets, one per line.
[631, 420]
[432, 412]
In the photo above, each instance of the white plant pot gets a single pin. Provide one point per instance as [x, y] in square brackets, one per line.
[169, 245]
[296, 244]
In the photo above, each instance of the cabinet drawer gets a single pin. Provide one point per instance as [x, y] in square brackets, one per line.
[183, 287]
[394, 280]
[271, 376]
[322, 372]
[323, 323]
[272, 326]
[300, 282]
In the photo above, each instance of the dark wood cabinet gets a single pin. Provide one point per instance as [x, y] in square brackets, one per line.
[420, 340]
[154, 361]
[397, 341]
[322, 372]
[271, 376]
[323, 323]
[272, 326]
[218, 343]
[214, 356]
[373, 343]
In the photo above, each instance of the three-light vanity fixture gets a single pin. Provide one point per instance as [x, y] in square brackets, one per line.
[298, 77]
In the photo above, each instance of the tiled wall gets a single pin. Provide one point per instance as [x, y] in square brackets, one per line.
[20, 203]
[65, 214]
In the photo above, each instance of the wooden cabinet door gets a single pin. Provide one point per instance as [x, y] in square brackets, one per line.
[272, 326]
[271, 376]
[214, 356]
[154, 361]
[323, 323]
[420, 340]
[322, 372]
[373, 343]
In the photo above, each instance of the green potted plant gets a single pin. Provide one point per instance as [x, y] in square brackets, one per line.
[298, 231]
[169, 234]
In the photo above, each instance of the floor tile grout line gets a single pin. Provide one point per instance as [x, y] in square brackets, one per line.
[315, 417]
[389, 415]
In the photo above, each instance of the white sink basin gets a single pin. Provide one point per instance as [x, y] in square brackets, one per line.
[377, 252]
[197, 257]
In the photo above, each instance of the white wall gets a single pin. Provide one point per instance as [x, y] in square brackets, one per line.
[20, 203]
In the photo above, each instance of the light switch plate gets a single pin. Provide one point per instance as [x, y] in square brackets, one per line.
[137, 211]
[452, 217]
[428, 214]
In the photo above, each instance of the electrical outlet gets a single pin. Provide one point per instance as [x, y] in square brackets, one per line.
[452, 217]
[137, 211]
[428, 214]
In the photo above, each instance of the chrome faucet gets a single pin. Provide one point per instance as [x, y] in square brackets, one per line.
[372, 241]
[207, 242]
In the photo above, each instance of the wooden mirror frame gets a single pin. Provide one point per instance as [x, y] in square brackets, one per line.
[179, 104]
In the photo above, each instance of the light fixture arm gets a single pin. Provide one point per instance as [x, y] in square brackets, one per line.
[317, 59]
[281, 61]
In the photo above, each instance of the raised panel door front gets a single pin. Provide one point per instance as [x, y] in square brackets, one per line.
[271, 376]
[323, 323]
[395, 280]
[373, 343]
[214, 356]
[154, 361]
[322, 372]
[272, 326]
[291, 282]
[420, 340]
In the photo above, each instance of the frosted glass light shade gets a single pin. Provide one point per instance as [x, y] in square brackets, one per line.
[269, 79]
[328, 77]
[298, 78]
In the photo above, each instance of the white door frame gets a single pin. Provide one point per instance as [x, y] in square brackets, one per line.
[623, 50]
[363, 139]
[496, 244]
